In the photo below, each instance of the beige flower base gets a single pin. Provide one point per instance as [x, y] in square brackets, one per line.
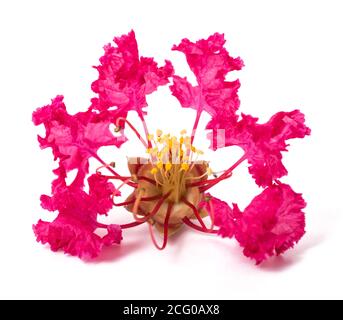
[139, 167]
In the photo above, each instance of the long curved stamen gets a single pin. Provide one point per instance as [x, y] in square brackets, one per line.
[105, 165]
[125, 182]
[194, 161]
[136, 204]
[165, 229]
[198, 228]
[121, 204]
[206, 173]
[146, 179]
[147, 217]
[118, 128]
[204, 183]
[111, 165]
[210, 183]
[125, 203]
[122, 178]
[196, 213]
[158, 182]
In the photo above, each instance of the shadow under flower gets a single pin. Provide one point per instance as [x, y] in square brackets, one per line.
[282, 262]
[273, 264]
[128, 246]
[113, 253]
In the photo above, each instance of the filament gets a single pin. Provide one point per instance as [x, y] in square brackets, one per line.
[165, 229]
[196, 213]
[132, 128]
[147, 217]
[198, 228]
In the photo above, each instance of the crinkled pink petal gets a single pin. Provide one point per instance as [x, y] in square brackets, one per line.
[100, 192]
[272, 223]
[183, 91]
[73, 229]
[223, 215]
[125, 79]
[263, 143]
[114, 235]
[70, 236]
[210, 62]
[74, 138]
[66, 234]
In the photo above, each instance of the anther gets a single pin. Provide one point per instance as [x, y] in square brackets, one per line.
[168, 166]
[112, 164]
[184, 166]
[153, 170]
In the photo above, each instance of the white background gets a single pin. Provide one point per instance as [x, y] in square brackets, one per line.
[293, 56]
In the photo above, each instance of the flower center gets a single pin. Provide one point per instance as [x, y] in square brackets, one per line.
[174, 163]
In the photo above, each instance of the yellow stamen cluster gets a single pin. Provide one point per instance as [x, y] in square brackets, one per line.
[172, 160]
[168, 150]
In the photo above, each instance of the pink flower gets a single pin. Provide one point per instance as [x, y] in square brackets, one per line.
[210, 63]
[125, 79]
[272, 223]
[170, 186]
[263, 143]
[74, 138]
[73, 229]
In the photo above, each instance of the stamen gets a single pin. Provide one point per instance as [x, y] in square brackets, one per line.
[156, 179]
[137, 202]
[121, 204]
[212, 182]
[172, 158]
[104, 166]
[184, 166]
[118, 128]
[207, 184]
[194, 226]
[196, 213]
[153, 171]
[146, 179]
[152, 198]
[208, 172]
[147, 217]
[165, 229]
[159, 165]
[125, 182]
[194, 161]
[168, 166]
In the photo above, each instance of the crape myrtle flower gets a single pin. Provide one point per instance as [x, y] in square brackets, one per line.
[171, 184]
